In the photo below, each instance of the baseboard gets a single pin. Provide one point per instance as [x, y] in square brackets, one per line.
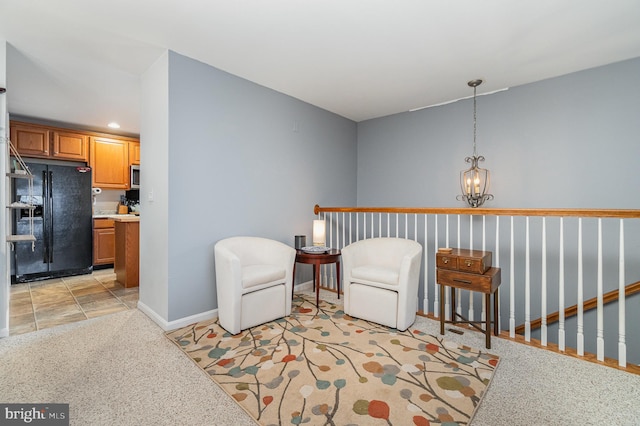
[182, 322]
[305, 286]
[204, 316]
[4, 332]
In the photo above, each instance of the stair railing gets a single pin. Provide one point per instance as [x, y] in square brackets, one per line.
[549, 258]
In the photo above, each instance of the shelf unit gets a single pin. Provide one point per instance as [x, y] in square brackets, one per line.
[21, 171]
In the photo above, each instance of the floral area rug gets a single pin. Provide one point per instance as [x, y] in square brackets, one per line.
[320, 366]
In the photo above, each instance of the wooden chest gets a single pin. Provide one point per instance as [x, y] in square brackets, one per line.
[486, 283]
[471, 261]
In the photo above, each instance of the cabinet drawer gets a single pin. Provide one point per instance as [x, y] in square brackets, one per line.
[103, 223]
[473, 261]
[485, 283]
[446, 261]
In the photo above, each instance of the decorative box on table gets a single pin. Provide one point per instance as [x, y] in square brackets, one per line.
[464, 260]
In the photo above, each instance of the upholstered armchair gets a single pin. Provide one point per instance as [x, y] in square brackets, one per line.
[380, 280]
[254, 280]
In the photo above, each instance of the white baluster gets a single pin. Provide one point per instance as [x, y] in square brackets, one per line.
[344, 230]
[600, 311]
[527, 286]
[357, 227]
[426, 268]
[397, 223]
[436, 286]
[580, 321]
[484, 245]
[415, 227]
[388, 224]
[350, 229]
[543, 295]
[512, 288]
[471, 312]
[331, 270]
[379, 224]
[364, 226]
[497, 266]
[372, 223]
[561, 332]
[622, 345]
[457, 290]
[446, 229]
[447, 297]
[406, 226]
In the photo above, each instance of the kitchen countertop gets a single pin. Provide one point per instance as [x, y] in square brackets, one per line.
[126, 218]
[120, 217]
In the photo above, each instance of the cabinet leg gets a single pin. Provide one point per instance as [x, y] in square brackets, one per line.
[338, 277]
[487, 325]
[442, 309]
[496, 301]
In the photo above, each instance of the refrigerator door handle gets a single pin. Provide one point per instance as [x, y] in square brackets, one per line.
[50, 201]
[45, 208]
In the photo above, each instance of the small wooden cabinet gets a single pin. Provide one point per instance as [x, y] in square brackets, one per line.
[33, 140]
[109, 159]
[127, 261]
[104, 241]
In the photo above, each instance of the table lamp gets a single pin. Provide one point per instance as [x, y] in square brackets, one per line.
[319, 232]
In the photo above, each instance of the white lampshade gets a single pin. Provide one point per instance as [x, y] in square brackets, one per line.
[319, 233]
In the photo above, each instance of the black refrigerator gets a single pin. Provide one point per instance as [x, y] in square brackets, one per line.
[63, 223]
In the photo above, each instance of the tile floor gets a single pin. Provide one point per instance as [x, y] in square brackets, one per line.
[45, 304]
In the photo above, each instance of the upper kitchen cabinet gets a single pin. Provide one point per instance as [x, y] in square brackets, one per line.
[70, 146]
[134, 153]
[32, 140]
[109, 159]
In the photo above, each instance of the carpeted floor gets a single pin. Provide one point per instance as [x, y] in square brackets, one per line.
[120, 369]
[321, 366]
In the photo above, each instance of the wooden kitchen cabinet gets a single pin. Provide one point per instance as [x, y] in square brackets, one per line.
[134, 153]
[34, 140]
[104, 241]
[109, 159]
[70, 146]
[30, 140]
[110, 156]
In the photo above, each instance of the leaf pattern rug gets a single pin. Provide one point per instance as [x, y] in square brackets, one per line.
[320, 366]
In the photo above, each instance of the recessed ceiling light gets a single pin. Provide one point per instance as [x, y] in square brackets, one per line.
[114, 125]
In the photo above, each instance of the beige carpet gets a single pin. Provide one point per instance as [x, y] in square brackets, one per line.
[320, 366]
[120, 369]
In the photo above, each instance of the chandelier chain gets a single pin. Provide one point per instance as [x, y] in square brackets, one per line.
[475, 154]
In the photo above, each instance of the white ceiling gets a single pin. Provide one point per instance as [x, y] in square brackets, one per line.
[80, 61]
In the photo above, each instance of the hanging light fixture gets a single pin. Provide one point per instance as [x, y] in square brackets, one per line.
[474, 182]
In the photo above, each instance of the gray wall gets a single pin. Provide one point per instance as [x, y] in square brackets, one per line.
[242, 160]
[570, 141]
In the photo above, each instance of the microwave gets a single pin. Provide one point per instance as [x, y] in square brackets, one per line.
[135, 177]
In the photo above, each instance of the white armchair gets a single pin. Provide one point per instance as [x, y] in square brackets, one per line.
[254, 281]
[380, 280]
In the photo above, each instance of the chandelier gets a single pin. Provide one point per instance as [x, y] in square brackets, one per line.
[474, 182]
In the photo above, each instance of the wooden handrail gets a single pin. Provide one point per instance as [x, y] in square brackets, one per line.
[571, 311]
[610, 213]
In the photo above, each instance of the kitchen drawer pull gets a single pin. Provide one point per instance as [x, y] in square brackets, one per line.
[445, 260]
[462, 281]
[468, 264]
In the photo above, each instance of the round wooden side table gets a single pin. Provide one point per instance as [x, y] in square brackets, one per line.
[317, 259]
